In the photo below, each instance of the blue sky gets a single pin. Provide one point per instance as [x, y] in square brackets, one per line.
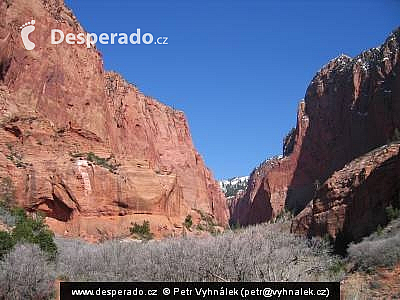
[236, 68]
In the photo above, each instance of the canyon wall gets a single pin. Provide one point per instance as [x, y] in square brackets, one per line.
[86, 147]
[354, 201]
[351, 106]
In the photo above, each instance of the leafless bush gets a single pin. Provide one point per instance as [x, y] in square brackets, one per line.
[259, 253]
[379, 249]
[6, 217]
[25, 274]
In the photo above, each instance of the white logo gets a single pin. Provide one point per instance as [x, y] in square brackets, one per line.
[26, 29]
[58, 36]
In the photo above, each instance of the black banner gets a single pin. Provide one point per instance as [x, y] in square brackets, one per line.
[199, 290]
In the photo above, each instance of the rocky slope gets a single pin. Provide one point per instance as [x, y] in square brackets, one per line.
[85, 146]
[351, 107]
[352, 202]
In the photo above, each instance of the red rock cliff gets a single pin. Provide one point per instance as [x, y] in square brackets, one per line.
[351, 107]
[353, 201]
[85, 146]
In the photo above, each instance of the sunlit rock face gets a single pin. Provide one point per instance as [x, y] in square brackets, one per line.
[351, 106]
[86, 147]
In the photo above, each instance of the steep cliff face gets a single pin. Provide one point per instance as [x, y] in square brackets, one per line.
[269, 183]
[353, 201]
[351, 107]
[85, 146]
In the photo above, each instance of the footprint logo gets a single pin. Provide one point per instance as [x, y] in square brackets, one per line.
[26, 29]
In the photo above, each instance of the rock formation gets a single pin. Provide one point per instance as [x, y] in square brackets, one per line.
[353, 201]
[86, 147]
[351, 107]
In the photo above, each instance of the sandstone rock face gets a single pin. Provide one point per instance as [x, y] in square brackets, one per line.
[85, 146]
[269, 183]
[351, 107]
[352, 202]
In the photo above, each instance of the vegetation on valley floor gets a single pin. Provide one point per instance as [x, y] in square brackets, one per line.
[265, 252]
[380, 249]
[24, 228]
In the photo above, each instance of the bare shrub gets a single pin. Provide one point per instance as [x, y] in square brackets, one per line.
[25, 274]
[109, 261]
[6, 217]
[258, 253]
[379, 249]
